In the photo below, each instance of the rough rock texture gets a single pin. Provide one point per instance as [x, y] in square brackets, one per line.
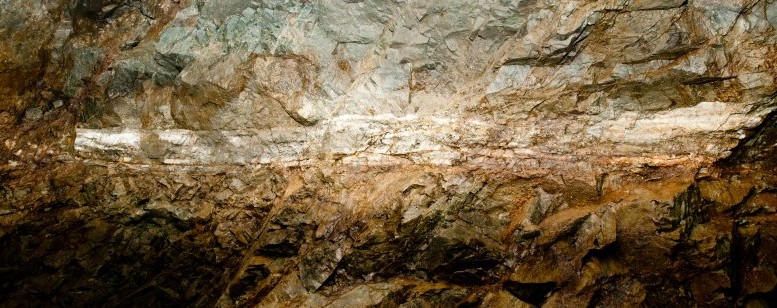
[388, 153]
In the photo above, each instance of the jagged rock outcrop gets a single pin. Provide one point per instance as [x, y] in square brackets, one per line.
[388, 153]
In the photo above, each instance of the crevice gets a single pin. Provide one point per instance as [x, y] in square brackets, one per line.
[736, 263]
[757, 146]
[706, 80]
[533, 293]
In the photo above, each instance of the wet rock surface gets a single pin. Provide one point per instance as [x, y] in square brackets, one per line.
[384, 154]
[415, 235]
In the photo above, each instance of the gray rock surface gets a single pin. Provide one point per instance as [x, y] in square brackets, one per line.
[538, 78]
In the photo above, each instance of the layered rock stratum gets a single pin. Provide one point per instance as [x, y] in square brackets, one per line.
[388, 153]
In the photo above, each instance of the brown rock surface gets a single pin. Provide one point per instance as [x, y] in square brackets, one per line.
[378, 153]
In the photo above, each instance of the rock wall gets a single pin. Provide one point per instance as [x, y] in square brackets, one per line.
[388, 153]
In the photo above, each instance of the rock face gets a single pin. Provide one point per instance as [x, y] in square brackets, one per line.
[388, 153]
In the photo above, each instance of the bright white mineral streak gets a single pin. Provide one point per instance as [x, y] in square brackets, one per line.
[428, 140]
